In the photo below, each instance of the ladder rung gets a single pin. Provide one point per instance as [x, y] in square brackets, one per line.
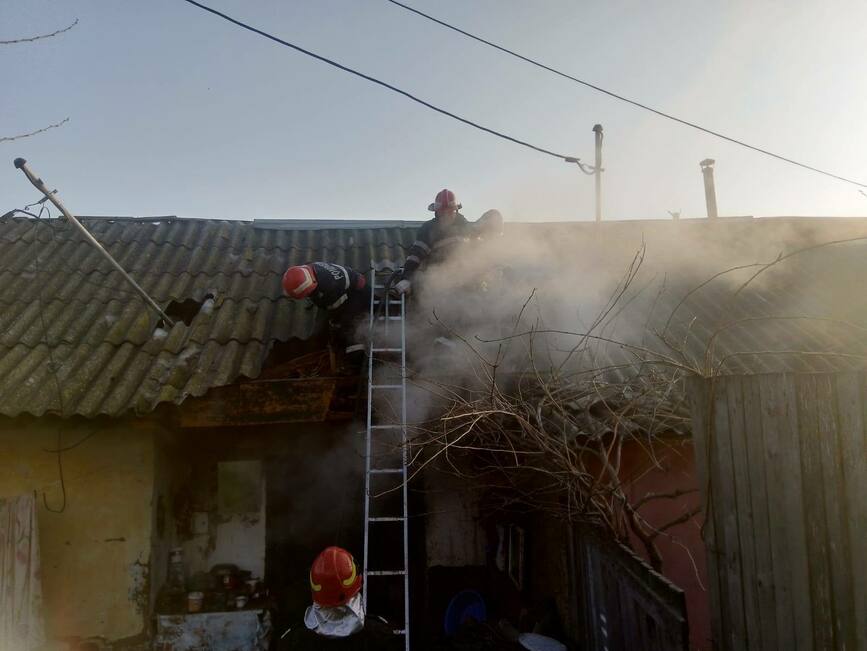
[390, 318]
[387, 350]
[386, 386]
[386, 518]
[386, 572]
[386, 427]
[386, 471]
[399, 631]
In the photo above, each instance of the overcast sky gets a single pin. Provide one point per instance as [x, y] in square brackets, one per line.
[173, 111]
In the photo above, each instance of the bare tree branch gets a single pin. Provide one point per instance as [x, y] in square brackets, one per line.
[673, 495]
[685, 517]
[538, 436]
[33, 133]
[551, 441]
[41, 36]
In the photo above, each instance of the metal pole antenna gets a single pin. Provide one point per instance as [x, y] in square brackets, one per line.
[597, 170]
[37, 182]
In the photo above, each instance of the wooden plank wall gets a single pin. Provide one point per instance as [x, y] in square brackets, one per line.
[783, 462]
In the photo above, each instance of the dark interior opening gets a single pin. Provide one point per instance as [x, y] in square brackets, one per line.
[185, 310]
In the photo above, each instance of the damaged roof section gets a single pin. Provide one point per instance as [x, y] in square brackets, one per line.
[63, 306]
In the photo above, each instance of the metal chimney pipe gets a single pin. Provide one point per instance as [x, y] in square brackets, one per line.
[709, 188]
[597, 170]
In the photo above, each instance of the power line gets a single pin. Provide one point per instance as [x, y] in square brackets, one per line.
[663, 114]
[568, 159]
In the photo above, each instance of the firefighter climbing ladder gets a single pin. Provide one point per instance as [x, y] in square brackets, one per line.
[387, 348]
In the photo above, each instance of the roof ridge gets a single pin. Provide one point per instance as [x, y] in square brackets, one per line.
[78, 240]
[6, 349]
[133, 297]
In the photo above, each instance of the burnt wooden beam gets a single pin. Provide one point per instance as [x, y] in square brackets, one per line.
[261, 402]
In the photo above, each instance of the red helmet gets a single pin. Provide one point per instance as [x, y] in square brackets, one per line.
[334, 579]
[444, 199]
[299, 282]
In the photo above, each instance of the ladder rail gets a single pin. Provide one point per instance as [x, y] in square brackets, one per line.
[403, 446]
[368, 442]
[386, 317]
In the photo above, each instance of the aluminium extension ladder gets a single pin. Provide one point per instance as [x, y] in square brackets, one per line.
[386, 351]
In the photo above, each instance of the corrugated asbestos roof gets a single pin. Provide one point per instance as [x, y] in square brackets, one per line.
[63, 308]
[803, 314]
[59, 296]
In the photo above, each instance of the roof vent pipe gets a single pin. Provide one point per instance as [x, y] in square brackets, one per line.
[597, 170]
[709, 188]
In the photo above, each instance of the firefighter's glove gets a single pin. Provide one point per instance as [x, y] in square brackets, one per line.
[395, 277]
[403, 287]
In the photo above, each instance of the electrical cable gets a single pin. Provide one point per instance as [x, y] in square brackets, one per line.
[72, 446]
[59, 448]
[82, 273]
[51, 361]
[568, 159]
[633, 102]
[60, 473]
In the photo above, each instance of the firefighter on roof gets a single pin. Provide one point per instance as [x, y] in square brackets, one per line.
[442, 234]
[340, 291]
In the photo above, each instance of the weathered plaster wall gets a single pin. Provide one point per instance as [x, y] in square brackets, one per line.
[236, 538]
[167, 463]
[209, 533]
[95, 554]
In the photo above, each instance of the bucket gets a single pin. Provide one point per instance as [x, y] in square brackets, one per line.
[465, 606]
[194, 601]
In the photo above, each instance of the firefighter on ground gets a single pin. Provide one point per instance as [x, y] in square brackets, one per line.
[342, 292]
[336, 619]
[438, 237]
[335, 586]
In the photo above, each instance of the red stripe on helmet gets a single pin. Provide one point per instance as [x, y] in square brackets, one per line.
[445, 199]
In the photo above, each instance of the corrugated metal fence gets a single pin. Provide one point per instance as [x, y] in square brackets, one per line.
[784, 458]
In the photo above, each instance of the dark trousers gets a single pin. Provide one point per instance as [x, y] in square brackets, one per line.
[348, 321]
